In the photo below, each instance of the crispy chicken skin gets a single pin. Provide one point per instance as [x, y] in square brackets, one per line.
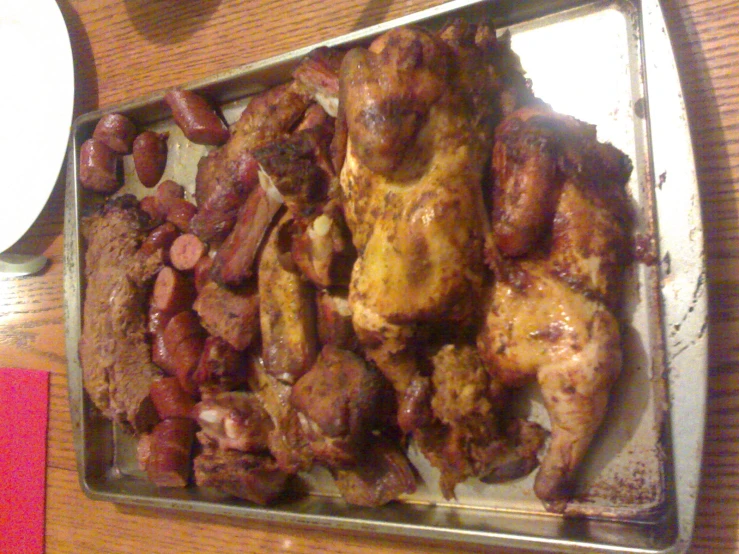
[551, 312]
[418, 142]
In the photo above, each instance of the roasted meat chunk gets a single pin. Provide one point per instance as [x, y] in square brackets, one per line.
[228, 174]
[335, 319]
[384, 474]
[231, 314]
[469, 435]
[319, 73]
[340, 401]
[253, 477]
[113, 349]
[287, 314]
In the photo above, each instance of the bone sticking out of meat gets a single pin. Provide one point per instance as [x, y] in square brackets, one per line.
[319, 72]
[234, 421]
[114, 351]
[231, 314]
[253, 477]
[228, 174]
[234, 261]
[384, 474]
[169, 461]
[322, 247]
[287, 315]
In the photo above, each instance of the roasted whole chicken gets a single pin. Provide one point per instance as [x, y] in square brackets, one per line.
[562, 225]
[420, 110]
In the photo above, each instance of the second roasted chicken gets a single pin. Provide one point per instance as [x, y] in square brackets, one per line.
[562, 226]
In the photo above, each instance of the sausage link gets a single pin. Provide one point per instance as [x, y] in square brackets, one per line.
[160, 355]
[99, 167]
[170, 445]
[150, 156]
[197, 119]
[166, 193]
[116, 131]
[162, 237]
[180, 213]
[201, 272]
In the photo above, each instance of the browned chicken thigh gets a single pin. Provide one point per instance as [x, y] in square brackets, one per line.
[552, 310]
[418, 139]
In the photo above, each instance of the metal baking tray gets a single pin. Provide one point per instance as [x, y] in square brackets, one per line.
[606, 62]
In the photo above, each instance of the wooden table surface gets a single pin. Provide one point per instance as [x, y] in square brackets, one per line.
[124, 49]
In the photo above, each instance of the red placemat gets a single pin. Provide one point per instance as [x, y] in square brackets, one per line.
[24, 414]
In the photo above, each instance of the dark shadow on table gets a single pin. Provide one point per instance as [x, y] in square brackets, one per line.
[85, 74]
[374, 12]
[715, 179]
[170, 21]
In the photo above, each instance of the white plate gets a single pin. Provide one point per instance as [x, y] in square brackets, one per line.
[36, 103]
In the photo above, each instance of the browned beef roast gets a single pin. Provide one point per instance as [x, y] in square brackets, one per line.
[115, 355]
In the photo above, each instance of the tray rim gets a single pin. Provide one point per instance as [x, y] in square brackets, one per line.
[686, 446]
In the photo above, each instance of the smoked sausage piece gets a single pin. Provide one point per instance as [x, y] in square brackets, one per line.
[167, 193]
[183, 340]
[116, 131]
[197, 119]
[181, 212]
[173, 292]
[160, 237]
[150, 157]
[169, 399]
[99, 167]
[186, 250]
[168, 463]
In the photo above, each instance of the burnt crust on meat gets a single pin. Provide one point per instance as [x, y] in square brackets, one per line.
[113, 349]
